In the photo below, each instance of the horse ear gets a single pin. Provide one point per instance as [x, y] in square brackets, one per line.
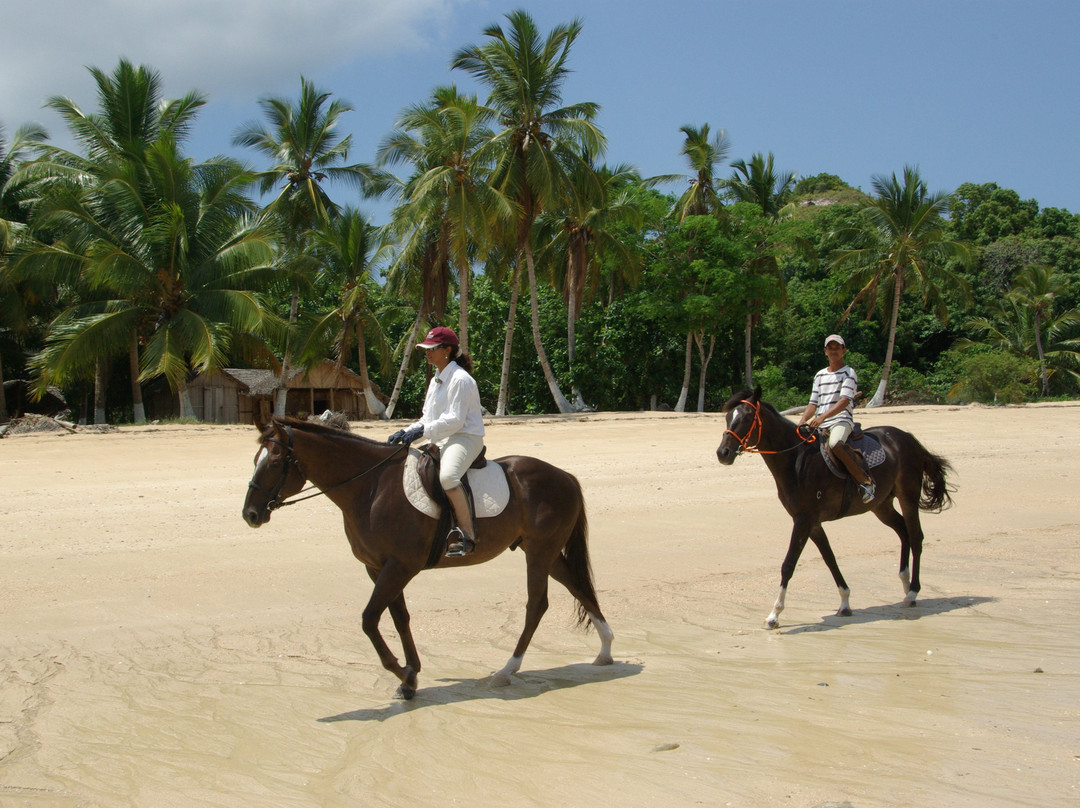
[757, 393]
[258, 421]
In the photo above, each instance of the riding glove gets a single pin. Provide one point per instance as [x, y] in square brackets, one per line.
[406, 436]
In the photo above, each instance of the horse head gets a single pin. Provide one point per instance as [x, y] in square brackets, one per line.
[743, 416]
[277, 474]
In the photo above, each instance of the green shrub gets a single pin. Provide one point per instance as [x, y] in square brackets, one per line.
[995, 377]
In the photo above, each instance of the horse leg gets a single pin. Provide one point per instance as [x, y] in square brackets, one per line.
[537, 576]
[560, 571]
[400, 614]
[821, 541]
[799, 534]
[914, 534]
[390, 582]
[897, 522]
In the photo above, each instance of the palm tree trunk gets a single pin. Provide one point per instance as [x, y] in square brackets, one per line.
[3, 398]
[680, 406]
[186, 410]
[504, 375]
[100, 382]
[879, 396]
[136, 388]
[545, 365]
[748, 357]
[464, 279]
[283, 382]
[1043, 376]
[374, 406]
[705, 359]
[406, 356]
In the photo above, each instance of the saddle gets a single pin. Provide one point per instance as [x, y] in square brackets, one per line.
[862, 444]
[427, 468]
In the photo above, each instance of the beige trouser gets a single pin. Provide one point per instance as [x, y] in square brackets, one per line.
[838, 435]
[458, 453]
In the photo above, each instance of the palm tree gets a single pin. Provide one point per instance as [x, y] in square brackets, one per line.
[304, 142]
[759, 183]
[169, 248]
[908, 245]
[346, 248]
[13, 214]
[115, 140]
[1024, 323]
[524, 73]
[704, 153]
[449, 143]
[584, 232]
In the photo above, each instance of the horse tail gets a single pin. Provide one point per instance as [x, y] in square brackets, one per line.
[576, 554]
[935, 488]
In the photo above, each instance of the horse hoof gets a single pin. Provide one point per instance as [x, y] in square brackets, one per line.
[844, 613]
[405, 693]
[603, 659]
[500, 679]
[772, 623]
[909, 600]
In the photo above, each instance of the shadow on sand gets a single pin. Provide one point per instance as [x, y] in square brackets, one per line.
[873, 614]
[526, 685]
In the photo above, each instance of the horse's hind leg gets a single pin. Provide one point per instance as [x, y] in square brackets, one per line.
[561, 572]
[537, 576]
[909, 576]
[390, 581]
[821, 541]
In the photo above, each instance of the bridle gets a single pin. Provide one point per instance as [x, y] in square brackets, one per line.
[274, 500]
[747, 444]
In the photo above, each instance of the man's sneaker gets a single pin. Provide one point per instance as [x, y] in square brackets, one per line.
[868, 491]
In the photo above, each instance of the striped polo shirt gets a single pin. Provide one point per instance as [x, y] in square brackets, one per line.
[829, 387]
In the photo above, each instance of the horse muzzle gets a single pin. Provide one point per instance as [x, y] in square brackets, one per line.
[726, 455]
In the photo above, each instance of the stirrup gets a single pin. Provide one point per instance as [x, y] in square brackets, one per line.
[458, 544]
[868, 491]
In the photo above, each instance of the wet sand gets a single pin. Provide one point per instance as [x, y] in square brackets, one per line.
[155, 651]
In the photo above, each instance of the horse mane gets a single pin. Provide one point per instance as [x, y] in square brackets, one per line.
[741, 396]
[319, 428]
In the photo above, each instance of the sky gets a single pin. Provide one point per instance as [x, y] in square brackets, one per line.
[966, 90]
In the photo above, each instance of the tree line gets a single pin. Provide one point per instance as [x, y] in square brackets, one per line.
[124, 263]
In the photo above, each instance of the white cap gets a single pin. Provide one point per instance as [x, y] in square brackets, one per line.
[835, 338]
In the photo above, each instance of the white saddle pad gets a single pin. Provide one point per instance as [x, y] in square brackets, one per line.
[491, 492]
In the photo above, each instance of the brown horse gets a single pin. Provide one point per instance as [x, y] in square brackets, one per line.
[545, 517]
[811, 494]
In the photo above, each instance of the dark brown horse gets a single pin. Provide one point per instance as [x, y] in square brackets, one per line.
[545, 517]
[811, 494]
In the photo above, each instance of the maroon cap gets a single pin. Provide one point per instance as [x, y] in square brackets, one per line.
[440, 335]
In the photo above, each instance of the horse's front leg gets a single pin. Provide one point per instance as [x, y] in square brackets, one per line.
[821, 541]
[402, 622]
[799, 533]
[390, 581]
[537, 576]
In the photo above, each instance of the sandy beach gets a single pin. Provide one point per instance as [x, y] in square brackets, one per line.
[156, 651]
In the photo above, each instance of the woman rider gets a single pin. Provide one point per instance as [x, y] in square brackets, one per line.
[452, 418]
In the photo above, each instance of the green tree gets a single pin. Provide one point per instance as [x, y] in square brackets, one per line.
[168, 249]
[447, 202]
[907, 246]
[304, 141]
[1024, 322]
[758, 183]
[14, 296]
[347, 248]
[114, 144]
[524, 73]
[704, 153]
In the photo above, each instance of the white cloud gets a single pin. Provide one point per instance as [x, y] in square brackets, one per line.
[233, 50]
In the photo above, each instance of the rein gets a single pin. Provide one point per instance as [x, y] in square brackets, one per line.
[275, 496]
[745, 443]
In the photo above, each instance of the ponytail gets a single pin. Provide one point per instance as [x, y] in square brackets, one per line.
[462, 359]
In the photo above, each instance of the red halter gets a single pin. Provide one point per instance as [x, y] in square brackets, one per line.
[745, 443]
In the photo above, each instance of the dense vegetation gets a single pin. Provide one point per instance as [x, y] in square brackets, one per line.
[125, 264]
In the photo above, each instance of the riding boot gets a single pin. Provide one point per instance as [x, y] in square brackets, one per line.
[462, 539]
[856, 467]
